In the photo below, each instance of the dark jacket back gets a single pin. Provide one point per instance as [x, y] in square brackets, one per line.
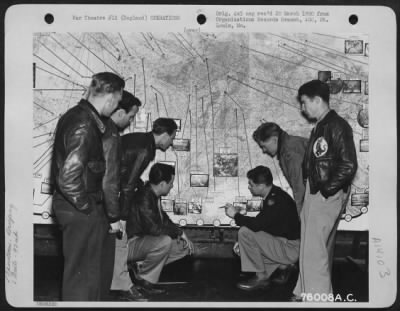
[147, 218]
[138, 150]
[78, 162]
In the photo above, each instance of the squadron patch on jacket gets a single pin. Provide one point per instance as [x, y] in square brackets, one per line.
[320, 147]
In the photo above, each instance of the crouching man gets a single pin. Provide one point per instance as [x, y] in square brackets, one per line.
[154, 239]
[269, 241]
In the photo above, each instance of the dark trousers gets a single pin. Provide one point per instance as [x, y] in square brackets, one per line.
[83, 247]
[107, 269]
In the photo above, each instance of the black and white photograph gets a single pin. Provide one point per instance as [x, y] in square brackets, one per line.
[366, 49]
[195, 208]
[226, 164]
[241, 207]
[47, 188]
[167, 205]
[360, 199]
[181, 144]
[364, 145]
[354, 47]
[180, 208]
[102, 102]
[253, 205]
[178, 124]
[199, 180]
[351, 86]
[324, 76]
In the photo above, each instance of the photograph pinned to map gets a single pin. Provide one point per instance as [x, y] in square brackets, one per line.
[195, 207]
[170, 163]
[335, 86]
[167, 205]
[140, 121]
[360, 199]
[226, 164]
[225, 150]
[240, 207]
[47, 188]
[365, 133]
[364, 145]
[178, 124]
[354, 47]
[363, 117]
[324, 76]
[180, 208]
[366, 52]
[181, 144]
[351, 86]
[199, 180]
[253, 205]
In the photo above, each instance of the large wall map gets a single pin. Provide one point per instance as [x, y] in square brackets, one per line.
[218, 87]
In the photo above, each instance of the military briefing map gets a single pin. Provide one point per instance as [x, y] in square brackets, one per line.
[218, 87]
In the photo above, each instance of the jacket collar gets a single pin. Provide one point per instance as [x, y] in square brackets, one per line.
[331, 114]
[88, 107]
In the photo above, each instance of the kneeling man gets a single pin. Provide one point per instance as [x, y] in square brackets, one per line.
[154, 239]
[269, 241]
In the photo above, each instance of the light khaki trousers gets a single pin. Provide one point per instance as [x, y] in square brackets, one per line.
[319, 220]
[263, 252]
[154, 252]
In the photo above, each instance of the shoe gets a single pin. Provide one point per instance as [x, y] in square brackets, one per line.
[149, 288]
[295, 298]
[131, 294]
[254, 283]
[283, 275]
[146, 286]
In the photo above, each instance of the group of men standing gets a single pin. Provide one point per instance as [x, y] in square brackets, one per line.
[99, 195]
[97, 182]
[319, 171]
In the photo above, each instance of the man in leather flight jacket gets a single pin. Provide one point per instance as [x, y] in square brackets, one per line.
[119, 120]
[329, 166]
[138, 150]
[77, 170]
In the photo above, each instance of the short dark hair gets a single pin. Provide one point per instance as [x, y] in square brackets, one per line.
[266, 130]
[105, 82]
[314, 88]
[128, 101]
[260, 175]
[161, 172]
[162, 125]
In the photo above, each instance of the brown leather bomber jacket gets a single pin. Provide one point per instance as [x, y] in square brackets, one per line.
[78, 162]
[330, 162]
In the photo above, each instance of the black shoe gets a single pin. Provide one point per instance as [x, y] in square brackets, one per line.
[149, 288]
[283, 276]
[295, 298]
[146, 286]
[129, 295]
[254, 283]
